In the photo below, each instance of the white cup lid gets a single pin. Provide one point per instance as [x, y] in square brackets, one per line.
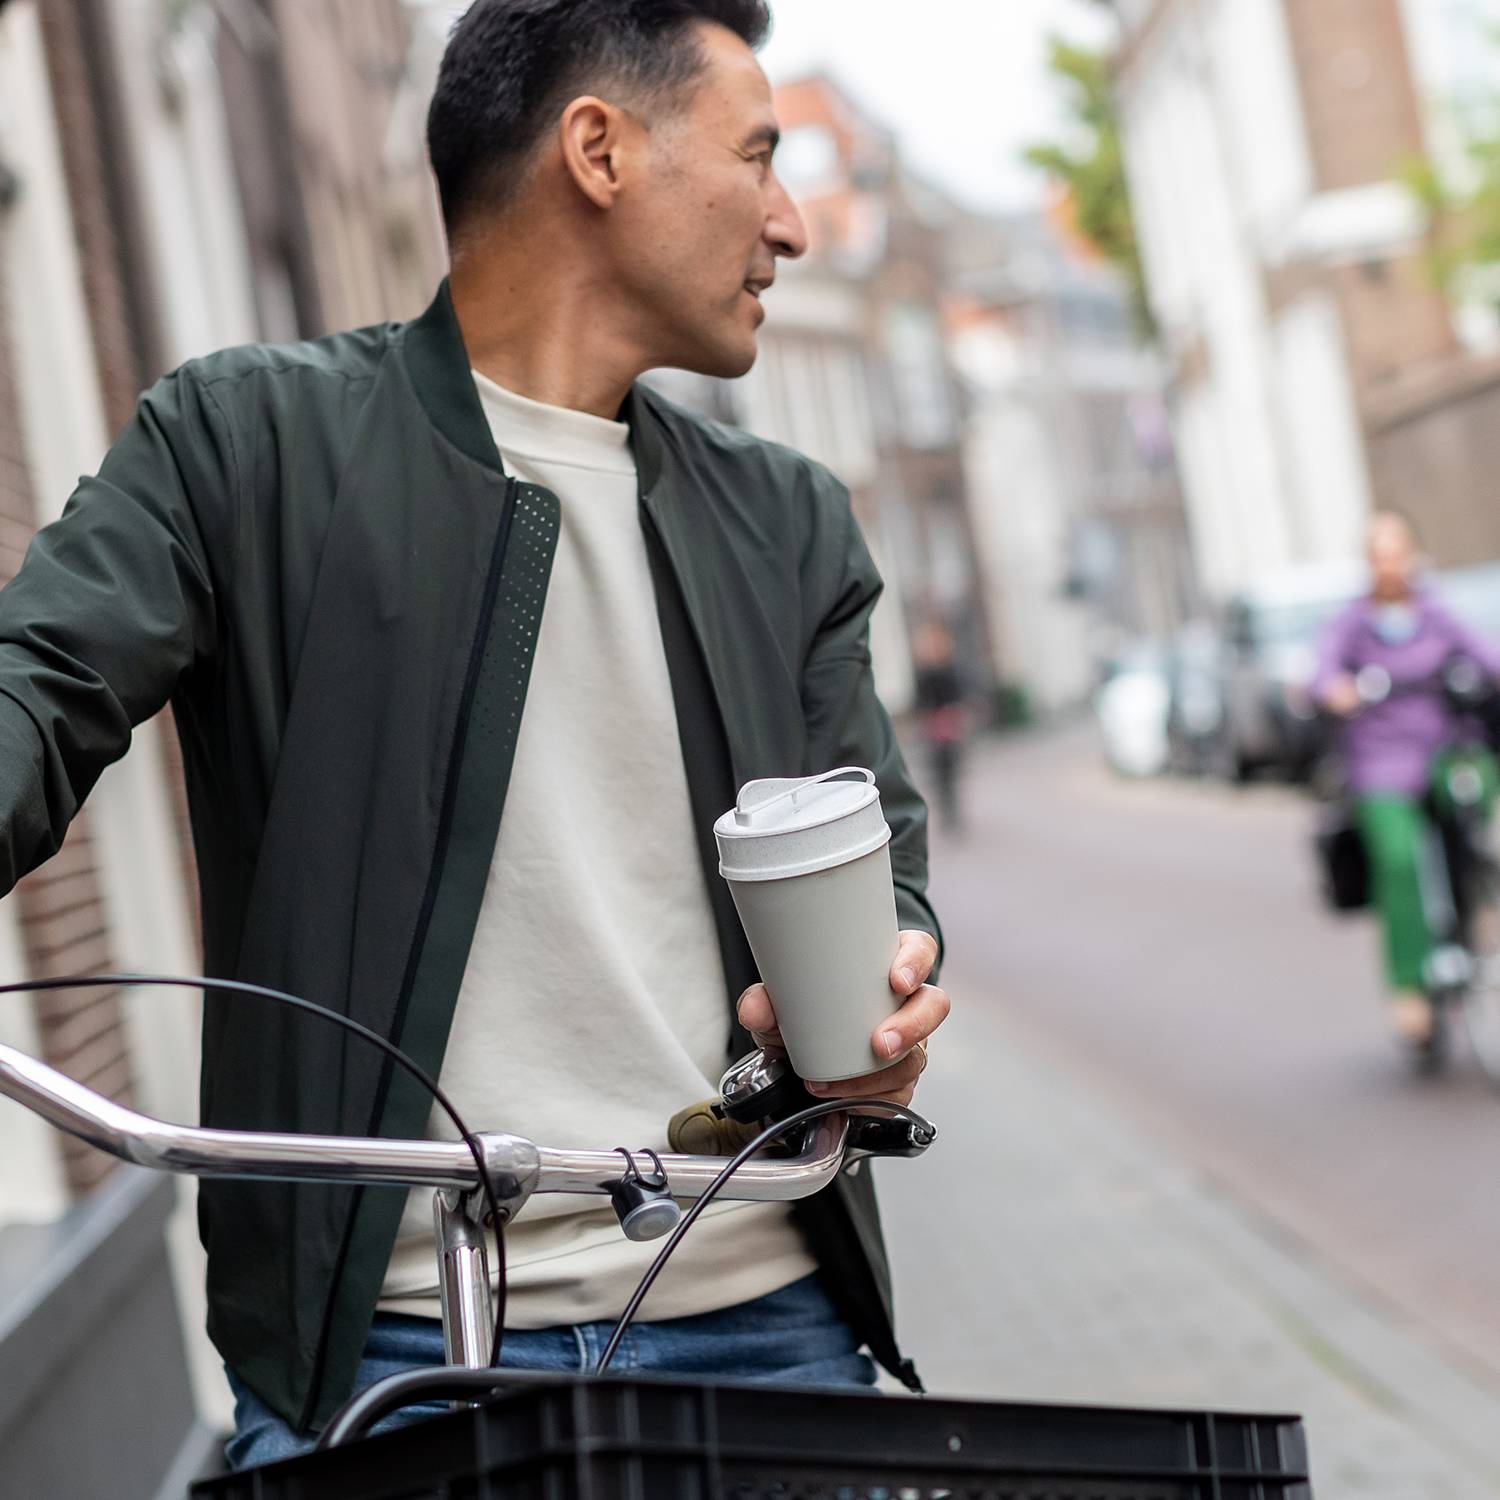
[779, 828]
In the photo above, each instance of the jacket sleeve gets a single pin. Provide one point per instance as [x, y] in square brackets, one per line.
[847, 724]
[111, 607]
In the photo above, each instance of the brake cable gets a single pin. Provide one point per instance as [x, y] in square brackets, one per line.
[355, 1028]
[769, 1134]
[476, 1150]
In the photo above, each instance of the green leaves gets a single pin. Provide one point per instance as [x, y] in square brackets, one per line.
[1462, 204]
[1090, 166]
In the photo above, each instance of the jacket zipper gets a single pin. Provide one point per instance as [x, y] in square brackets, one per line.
[429, 901]
[450, 788]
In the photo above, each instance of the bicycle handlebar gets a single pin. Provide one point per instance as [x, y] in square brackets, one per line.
[518, 1166]
[485, 1178]
[1463, 680]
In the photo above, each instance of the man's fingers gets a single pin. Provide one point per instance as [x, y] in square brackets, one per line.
[914, 960]
[895, 1082]
[758, 1018]
[755, 1009]
[917, 1019]
[919, 1016]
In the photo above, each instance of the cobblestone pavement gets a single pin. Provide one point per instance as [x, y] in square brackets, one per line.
[1074, 1237]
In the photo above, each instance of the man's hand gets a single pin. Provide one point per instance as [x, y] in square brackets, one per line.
[924, 1009]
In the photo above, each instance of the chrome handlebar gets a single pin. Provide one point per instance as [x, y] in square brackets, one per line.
[518, 1167]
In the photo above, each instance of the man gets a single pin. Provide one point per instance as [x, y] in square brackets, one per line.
[1394, 748]
[470, 638]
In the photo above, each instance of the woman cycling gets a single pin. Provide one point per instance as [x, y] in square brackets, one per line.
[1392, 748]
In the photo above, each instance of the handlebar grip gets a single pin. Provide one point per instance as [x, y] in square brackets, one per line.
[699, 1130]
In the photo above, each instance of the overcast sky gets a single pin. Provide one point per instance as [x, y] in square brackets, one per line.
[962, 82]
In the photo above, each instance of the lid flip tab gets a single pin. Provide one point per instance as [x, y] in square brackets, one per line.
[773, 791]
[783, 826]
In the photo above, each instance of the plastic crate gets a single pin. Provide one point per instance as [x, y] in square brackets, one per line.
[583, 1438]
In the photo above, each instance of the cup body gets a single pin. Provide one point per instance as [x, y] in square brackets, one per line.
[824, 943]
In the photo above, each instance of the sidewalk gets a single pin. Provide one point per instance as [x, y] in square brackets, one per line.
[1044, 1250]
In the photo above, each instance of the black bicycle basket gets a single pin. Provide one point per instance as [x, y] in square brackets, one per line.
[590, 1438]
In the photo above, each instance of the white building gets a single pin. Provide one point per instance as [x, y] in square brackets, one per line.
[1073, 493]
[1285, 267]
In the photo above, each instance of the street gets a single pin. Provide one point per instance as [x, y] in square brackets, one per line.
[1200, 1172]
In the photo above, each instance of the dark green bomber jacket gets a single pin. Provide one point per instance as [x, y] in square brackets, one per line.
[314, 553]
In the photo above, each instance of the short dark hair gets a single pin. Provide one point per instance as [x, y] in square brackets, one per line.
[511, 66]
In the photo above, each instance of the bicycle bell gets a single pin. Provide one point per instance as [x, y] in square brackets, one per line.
[759, 1088]
[644, 1205]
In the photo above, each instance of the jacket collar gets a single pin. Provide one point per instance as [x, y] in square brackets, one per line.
[438, 364]
[439, 367]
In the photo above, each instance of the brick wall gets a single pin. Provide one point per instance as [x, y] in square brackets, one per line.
[62, 917]
[83, 138]
[1364, 119]
[1434, 454]
[1358, 96]
[1394, 320]
[372, 240]
[100, 193]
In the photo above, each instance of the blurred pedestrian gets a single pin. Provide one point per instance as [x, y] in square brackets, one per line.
[942, 716]
[1391, 747]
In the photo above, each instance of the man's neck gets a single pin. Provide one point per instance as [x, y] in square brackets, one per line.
[540, 334]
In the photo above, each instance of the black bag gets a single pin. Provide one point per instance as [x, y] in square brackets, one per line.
[1345, 865]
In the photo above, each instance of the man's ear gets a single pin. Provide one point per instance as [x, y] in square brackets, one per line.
[593, 137]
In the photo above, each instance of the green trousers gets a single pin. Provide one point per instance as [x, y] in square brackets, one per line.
[1406, 864]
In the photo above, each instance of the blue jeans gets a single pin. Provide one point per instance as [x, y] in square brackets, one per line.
[790, 1337]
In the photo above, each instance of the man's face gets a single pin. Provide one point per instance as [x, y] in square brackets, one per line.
[697, 238]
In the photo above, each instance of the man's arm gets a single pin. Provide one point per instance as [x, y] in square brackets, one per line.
[113, 604]
[847, 725]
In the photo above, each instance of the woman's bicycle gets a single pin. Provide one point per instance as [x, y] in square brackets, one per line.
[1458, 865]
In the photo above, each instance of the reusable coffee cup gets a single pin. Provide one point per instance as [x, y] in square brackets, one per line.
[809, 865]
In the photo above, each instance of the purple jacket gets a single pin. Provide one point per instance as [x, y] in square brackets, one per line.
[1390, 746]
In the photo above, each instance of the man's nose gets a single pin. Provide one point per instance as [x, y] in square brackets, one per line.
[785, 232]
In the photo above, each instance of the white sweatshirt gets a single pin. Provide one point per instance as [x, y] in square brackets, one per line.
[593, 1006]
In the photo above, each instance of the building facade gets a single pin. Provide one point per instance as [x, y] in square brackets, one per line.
[74, 305]
[1077, 512]
[1318, 371]
[176, 176]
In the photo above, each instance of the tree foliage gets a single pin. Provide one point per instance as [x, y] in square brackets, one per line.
[1462, 206]
[1463, 233]
[1091, 165]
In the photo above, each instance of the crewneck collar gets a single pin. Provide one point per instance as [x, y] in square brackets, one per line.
[554, 434]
